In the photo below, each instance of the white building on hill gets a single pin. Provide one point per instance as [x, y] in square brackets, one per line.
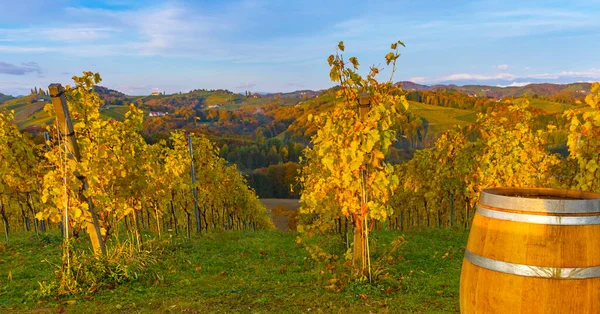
[158, 113]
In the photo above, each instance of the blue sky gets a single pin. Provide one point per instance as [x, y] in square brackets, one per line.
[270, 46]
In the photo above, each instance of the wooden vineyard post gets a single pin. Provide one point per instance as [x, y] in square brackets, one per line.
[65, 127]
[194, 189]
[361, 231]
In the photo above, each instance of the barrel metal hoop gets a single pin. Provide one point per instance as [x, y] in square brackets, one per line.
[532, 271]
[539, 219]
[588, 205]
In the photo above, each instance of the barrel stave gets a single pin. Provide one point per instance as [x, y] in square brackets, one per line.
[487, 291]
[534, 254]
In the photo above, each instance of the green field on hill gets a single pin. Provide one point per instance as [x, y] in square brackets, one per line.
[439, 118]
[33, 115]
[246, 272]
[115, 112]
[27, 115]
[442, 118]
[547, 106]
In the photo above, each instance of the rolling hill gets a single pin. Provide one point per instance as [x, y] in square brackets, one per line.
[28, 112]
[575, 90]
[439, 118]
[547, 106]
[28, 109]
[4, 98]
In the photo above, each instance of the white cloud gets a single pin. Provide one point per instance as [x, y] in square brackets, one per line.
[429, 25]
[18, 88]
[532, 12]
[516, 80]
[245, 86]
[515, 84]
[22, 69]
[16, 49]
[174, 30]
[69, 34]
[133, 89]
[228, 36]
[479, 77]
[526, 68]
[590, 73]
[502, 67]
[78, 34]
[180, 29]
[171, 29]
[418, 79]
[486, 23]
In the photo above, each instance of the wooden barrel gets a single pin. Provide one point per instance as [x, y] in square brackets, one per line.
[533, 251]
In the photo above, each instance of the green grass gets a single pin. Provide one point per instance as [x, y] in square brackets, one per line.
[554, 107]
[470, 117]
[34, 115]
[248, 272]
[584, 109]
[116, 113]
[250, 102]
[547, 106]
[441, 118]
[26, 115]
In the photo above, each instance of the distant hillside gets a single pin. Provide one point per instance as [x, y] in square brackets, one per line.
[574, 90]
[4, 98]
[202, 98]
[221, 99]
[440, 119]
[297, 94]
[111, 96]
[230, 100]
[438, 106]
[28, 110]
[407, 85]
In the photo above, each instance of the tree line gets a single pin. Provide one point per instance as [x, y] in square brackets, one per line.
[132, 185]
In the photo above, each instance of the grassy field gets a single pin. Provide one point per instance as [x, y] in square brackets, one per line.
[442, 118]
[115, 112]
[554, 107]
[34, 115]
[547, 106]
[247, 272]
[27, 115]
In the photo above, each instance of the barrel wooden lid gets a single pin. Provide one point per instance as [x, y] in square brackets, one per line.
[541, 200]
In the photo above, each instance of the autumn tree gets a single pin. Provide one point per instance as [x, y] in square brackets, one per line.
[345, 173]
[20, 172]
[584, 144]
[507, 152]
[512, 154]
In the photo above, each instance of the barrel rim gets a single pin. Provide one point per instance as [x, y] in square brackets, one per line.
[563, 201]
[561, 273]
[539, 219]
